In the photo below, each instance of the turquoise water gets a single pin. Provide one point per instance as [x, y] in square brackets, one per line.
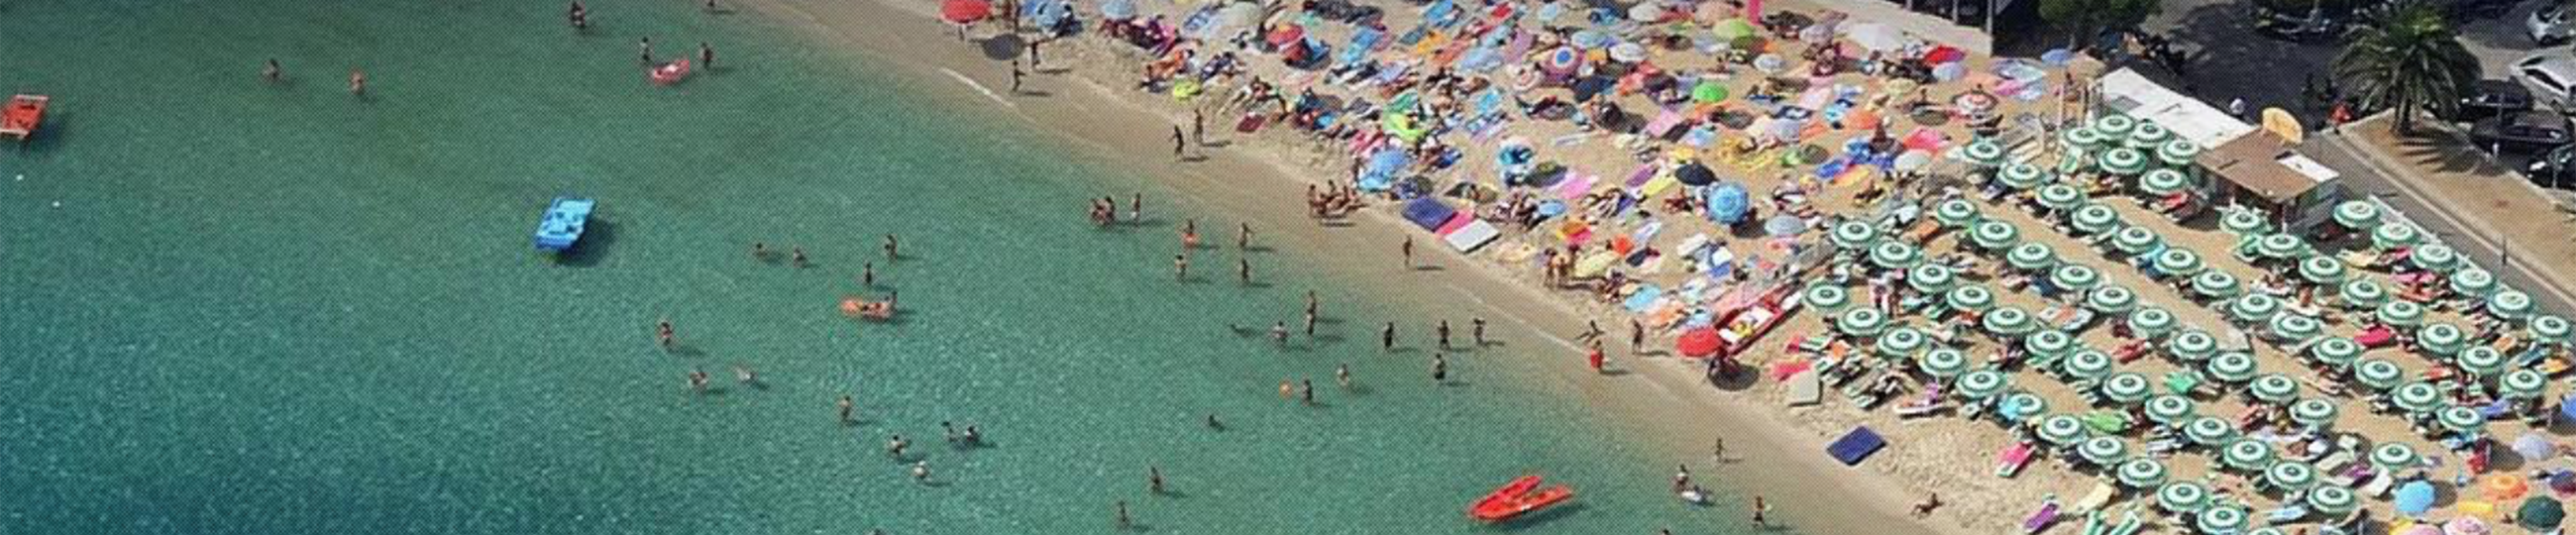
[278, 309]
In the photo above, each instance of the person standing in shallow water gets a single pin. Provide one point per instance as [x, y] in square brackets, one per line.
[707, 54]
[272, 72]
[1243, 271]
[645, 46]
[849, 411]
[1408, 252]
[1386, 338]
[1180, 267]
[1439, 368]
[1479, 326]
[1178, 143]
[1124, 522]
[1444, 334]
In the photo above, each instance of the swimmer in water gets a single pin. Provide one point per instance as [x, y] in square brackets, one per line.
[1243, 270]
[890, 248]
[1439, 368]
[1479, 326]
[698, 381]
[972, 436]
[759, 251]
[868, 274]
[1154, 480]
[848, 409]
[1342, 374]
[1124, 522]
[1243, 236]
[358, 82]
[1444, 334]
[796, 255]
[662, 333]
[1287, 389]
[1180, 267]
[1386, 337]
[272, 72]
[1279, 333]
[921, 471]
[895, 446]
[1190, 234]
[948, 433]
[1306, 390]
[1136, 207]
[743, 374]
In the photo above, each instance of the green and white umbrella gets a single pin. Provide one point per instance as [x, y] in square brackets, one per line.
[1993, 235]
[2061, 429]
[2127, 388]
[1853, 235]
[2523, 384]
[2221, 520]
[2461, 420]
[2442, 339]
[2103, 451]
[2364, 294]
[2436, 257]
[2394, 456]
[2075, 277]
[2083, 139]
[2322, 270]
[1955, 213]
[1826, 298]
[2136, 240]
[1861, 322]
[2032, 257]
[1931, 278]
[2509, 305]
[2549, 329]
[2022, 176]
[2022, 406]
[2009, 322]
[2290, 476]
[2401, 314]
[2244, 223]
[1982, 384]
[2473, 282]
[2094, 218]
[2214, 284]
[2247, 454]
[2061, 197]
[1970, 297]
[2169, 409]
[2148, 135]
[2124, 161]
[1901, 342]
[2418, 397]
[2232, 368]
[2253, 308]
[2182, 497]
[2378, 373]
[2162, 182]
[2357, 215]
[2274, 388]
[2151, 322]
[2332, 501]
[2393, 234]
[2209, 431]
[2087, 364]
[2280, 247]
[1894, 255]
[1943, 363]
[1984, 152]
[2113, 126]
[2178, 262]
[2337, 352]
[2141, 473]
[2192, 345]
[2482, 361]
[2178, 153]
[2111, 299]
[2296, 328]
[2313, 412]
[2049, 343]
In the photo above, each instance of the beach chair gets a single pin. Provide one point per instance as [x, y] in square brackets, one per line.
[2093, 500]
[2042, 519]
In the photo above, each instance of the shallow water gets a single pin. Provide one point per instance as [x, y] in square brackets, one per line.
[279, 309]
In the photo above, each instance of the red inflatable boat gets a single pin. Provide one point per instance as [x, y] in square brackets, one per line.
[669, 73]
[1518, 497]
[18, 120]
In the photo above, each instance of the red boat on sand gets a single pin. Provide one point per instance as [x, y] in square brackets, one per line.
[18, 120]
[1518, 497]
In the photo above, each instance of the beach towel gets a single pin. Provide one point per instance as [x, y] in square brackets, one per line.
[1428, 213]
[1470, 236]
[1574, 188]
[1856, 446]
[1643, 299]
[1362, 41]
[1805, 388]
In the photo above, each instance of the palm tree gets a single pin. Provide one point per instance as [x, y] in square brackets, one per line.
[2407, 59]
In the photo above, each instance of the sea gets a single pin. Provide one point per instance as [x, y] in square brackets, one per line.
[231, 306]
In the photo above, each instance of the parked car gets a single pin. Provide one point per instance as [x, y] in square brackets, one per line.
[2520, 133]
[2548, 75]
[2493, 98]
[2549, 25]
[2310, 26]
[2553, 170]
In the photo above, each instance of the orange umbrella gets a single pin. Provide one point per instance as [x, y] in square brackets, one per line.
[965, 11]
[1699, 343]
[2504, 487]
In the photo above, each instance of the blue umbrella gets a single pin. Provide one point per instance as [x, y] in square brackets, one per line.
[1118, 9]
[1728, 203]
[2057, 57]
[2414, 498]
[1593, 39]
[1784, 225]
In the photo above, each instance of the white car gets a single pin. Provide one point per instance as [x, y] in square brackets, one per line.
[2550, 75]
[2549, 25]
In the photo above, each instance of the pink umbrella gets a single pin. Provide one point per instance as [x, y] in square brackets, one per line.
[2465, 525]
[2423, 529]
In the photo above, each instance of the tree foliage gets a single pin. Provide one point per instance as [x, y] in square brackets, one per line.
[2086, 18]
[2407, 60]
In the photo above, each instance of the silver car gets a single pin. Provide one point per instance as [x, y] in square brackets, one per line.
[2549, 25]
[2550, 75]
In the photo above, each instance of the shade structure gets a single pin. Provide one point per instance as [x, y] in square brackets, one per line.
[2509, 305]
[2244, 223]
[2549, 329]
[1931, 278]
[2087, 364]
[2504, 486]
[1901, 342]
[2009, 322]
[2357, 215]
[2082, 139]
[2192, 345]
[1826, 298]
[2378, 374]
[1984, 152]
[2022, 406]
[1861, 322]
[2127, 388]
[2094, 218]
[2032, 257]
[2400, 314]
[2061, 429]
[2049, 343]
[2114, 126]
[2178, 262]
[2473, 282]
[2178, 153]
[1994, 235]
[1894, 255]
[2481, 361]
[2124, 161]
[1970, 297]
[2135, 240]
[2148, 135]
[2337, 352]
[2075, 277]
[2233, 368]
[2280, 247]
[2322, 270]
[1982, 384]
[2151, 322]
[2417, 397]
[2274, 388]
[2169, 409]
[2182, 497]
[2061, 197]
[2332, 500]
[2215, 285]
[2393, 456]
[2364, 294]
[1955, 213]
[2209, 431]
[2253, 308]
[2141, 473]
[2296, 328]
[2022, 176]
[1853, 235]
[2218, 520]
[1942, 363]
[2522, 384]
[2393, 234]
[2442, 339]
[2313, 412]
[2461, 420]
[2103, 451]
[2164, 182]
[2247, 454]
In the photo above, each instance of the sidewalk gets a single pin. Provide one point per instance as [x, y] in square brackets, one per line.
[2488, 212]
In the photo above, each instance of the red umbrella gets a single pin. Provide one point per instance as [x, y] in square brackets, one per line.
[965, 11]
[1286, 34]
[1699, 343]
[1944, 54]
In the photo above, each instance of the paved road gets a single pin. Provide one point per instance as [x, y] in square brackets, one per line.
[2228, 60]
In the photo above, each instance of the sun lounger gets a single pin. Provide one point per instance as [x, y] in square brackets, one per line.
[2093, 500]
[2046, 516]
[2010, 461]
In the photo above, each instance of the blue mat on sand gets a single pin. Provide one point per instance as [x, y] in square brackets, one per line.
[1428, 213]
[1857, 445]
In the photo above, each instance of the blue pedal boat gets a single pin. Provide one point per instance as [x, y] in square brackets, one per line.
[563, 223]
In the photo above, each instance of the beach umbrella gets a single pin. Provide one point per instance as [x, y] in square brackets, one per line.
[2075, 277]
[2114, 126]
[2141, 473]
[2021, 405]
[2378, 374]
[2435, 257]
[2082, 139]
[2215, 285]
[2253, 308]
[2209, 431]
[2087, 364]
[2461, 420]
[2472, 282]
[2192, 345]
[2290, 476]
[2534, 448]
[2357, 214]
[2151, 322]
[1875, 37]
[2338, 352]
[2111, 299]
[2442, 339]
[2022, 176]
[2162, 182]
[2232, 368]
[2178, 153]
[2061, 429]
[2169, 409]
[1853, 235]
[2182, 497]
[2221, 520]
[2103, 451]
[2322, 270]
[2248, 454]
[2124, 161]
[2031, 257]
[2417, 397]
[1118, 10]
[1699, 342]
[1983, 152]
[2313, 412]
[1982, 384]
[2049, 343]
[2332, 500]
[2094, 219]
[1826, 298]
[2465, 525]
[2548, 329]
[2393, 234]
[1994, 235]
[2009, 322]
[1931, 278]
[2136, 240]
[1973, 298]
[2178, 261]
[1955, 213]
[1734, 30]
[2393, 456]
[1861, 322]
[964, 11]
[2522, 384]
[2280, 247]
[1942, 362]
[2482, 361]
[1901, 342]
[1563, 60]
[1893, 254]
[2540, 514]
[2364, 294]
[2060, 197]
[2509, 305]
[2414, 497]
[2401, 314]
[1628, 52]
[1593, 39]
[1708, 92]
[2296, 328]
[2148, 135]
[2244, 223]
[2127, 388]
[2274, 388]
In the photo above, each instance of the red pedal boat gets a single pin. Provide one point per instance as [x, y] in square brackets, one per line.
[19, 119]
[1518, 497]
[669, 73]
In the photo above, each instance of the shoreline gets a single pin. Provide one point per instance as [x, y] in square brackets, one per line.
[1771, 456]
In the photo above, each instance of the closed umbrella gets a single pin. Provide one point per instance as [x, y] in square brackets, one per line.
[2280, 247]
[1994, 235]
[2169, 409]
[2364, 294]
[2087, 365]
[2022, 176]
[2274, 388]
[1931, 278]
[2442, 339]
[2393, 456]
[2244, 223]
[2127, 388]
[2124, 161]
[2401, 314]
[2357, 215]
[2232, 368]
[2104, 451]
[2182, 497]
[2150, 322]
[2378, 374]
[2481, 361]
[2417, 397]
[2094, 219]
[2522, 384]
[1861, 322]
[2136, 240]
[1983, 152]
[2162, 182]
[2192, 345]
[1943, 363]
[2392, 235]
[2314, 413]
[1982, 384]
[2290, 476]
[2032, 257]
[2141, 473]
[2215, 284]
[2322, 270]
[2061, 429]
[1901, 342]
[2332, 500]
[2178, 262]
[2060, 197]
[2509, 305]
[2337, 352]
[2111, 299]
[2075, 277]
[2209, 431]
[1826, 298]
[2049, 343]
[2461, 420]
[2178, 153]
[2473, 282]
[1973, 298]
[1854, 235]
[2540, 514]
[2253, 308]
[1955, 213]
[1894, 255]
[2247, 454]
[2220, 520]
[2009, 322]
[2296, 329]
[2435, 257]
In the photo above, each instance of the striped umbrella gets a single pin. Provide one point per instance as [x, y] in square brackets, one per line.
[2394, 455]
[2060, 197]
[2009, 322]
[2087, 365]
[2148, 135]
[2232, 368]
[2061, 429]
[2169, 409]
[2215, 284]
[2357, 215]
[2022, 406]
[2363, 294]
[2151, 322]
[1901, 342]
[1943, 363]
[2244, 223]
[2022, 176]
[2290, 476]
[1993, 235]
[2075, 277]
[1853, 235]
[2442, 339]
[2182, 497]
[2313, 412]
[2462, 420]
[2435, 257]
[2473, 282]
[2221, 520]
[2338, 352]
[2248, 454]
[2482, 361]
[2509, 305]
[2114, 126]
[2136, 240]
[2049, 343]
[2111, 299]
[2297, 329]
[2253, 308]
[2322, 270]
[2209, 431]
[2401, 314]
[2418, 397]
[2332, 500]
[1982, 384]
[2103, 451]
[2266, 531]
[2274, 388]
[1931, 278]
[2522, 384]
[2192, 345]
[2083, 139]
[2178, 153]
[1955, 213]
[2127, 388]
[2141, 473]
[1826, 298]
[2094, 218]
[2549, 329]
[2124, 161]
[1894, 255]
[2032, 257]
[2161, 182]
[2280, 247]
[2178, 262]
[1861, 322]
[2393, 234]
[2378, 374]
[1971, 297]
[1984, 152]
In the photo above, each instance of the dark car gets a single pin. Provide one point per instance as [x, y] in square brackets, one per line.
[2552, 170]
[2463, 10]
[2493, 98]
[2520, 133]
[2309, 26]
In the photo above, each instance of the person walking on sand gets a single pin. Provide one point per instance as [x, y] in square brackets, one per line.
[1154, 480]
[1178, 143]
[1198, 127]
[1033, 52]
[1443, 330]
[358, 83]
[1759, 508]
[662, 333]
[1591, 330]
[1135, 207]
[1930, 502]
[272, 72]
[645, 49]
[1636, 336]
[848, 410]
[1718, 450]
[1386, 337]
[1479, 326]
[1180, 267]
[1408, 252]
[891, 255]
[1594, 357]
[1015, 77]
[1342, 375]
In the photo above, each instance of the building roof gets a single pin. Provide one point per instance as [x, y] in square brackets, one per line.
[2266, 165]
[2128, 92]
